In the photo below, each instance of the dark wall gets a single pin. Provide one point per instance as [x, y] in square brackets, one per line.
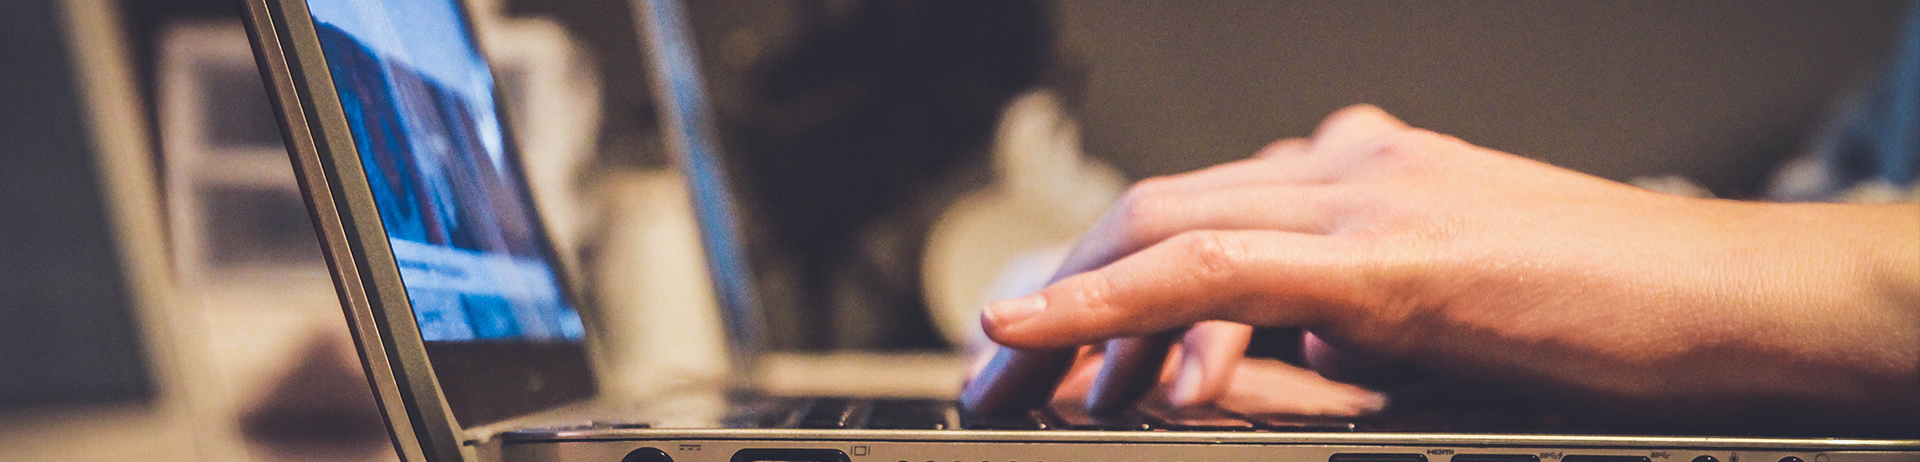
[67, 316]
[1717, 90]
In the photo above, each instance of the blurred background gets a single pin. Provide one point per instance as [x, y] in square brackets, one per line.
[899, 162]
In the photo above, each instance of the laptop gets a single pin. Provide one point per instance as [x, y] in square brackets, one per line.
[476, 351]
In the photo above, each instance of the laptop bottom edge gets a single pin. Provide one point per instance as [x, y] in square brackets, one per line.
[667, 445]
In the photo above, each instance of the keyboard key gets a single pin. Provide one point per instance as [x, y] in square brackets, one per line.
[908, 414]
[1074, 417]
[835, 413]
[766, 412]
[1031, 420]
[1301, 423]
[1195, 418]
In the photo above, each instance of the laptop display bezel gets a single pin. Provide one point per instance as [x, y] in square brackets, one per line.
[497, 380]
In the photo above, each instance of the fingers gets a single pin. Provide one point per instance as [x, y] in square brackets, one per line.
[1225, 378]
[1158, 208]
[1281, 168]
[1016, 380]
[1195, 276]
[1133, 367]
[1290, 147]
[1079, 379]
[1284, 161]
[1144, 219]
[1348, 366]
[977, 362]
[1210, 353]
[1151, 219]
[1264, 386]
[1204, 255]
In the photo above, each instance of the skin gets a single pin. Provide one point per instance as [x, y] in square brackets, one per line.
[1397, 247]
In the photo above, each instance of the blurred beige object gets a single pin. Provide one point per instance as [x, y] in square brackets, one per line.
[900, 375]
[1671, 184]
[254, 292]
[317, 407]
[660, 332]
[1880, 192]
[237, 221]
[162, 427]
[551, 91]
[1044, 193]
[659, 322]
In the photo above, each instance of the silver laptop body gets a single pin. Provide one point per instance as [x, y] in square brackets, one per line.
[475, 350]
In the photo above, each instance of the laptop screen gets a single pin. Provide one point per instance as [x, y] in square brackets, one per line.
[419, 99]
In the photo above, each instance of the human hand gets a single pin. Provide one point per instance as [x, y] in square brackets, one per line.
[1203, 366]
[1403, 245]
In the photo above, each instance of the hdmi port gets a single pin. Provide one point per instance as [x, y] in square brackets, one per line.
[790, 455]
[1397, 457]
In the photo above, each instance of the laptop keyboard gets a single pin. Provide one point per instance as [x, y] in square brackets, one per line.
[927, 414]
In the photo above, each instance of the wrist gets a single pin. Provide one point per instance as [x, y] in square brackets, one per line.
[1857, 291]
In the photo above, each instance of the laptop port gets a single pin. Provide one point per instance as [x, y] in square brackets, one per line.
[647, 455]
[790, 455]
[1378, 458]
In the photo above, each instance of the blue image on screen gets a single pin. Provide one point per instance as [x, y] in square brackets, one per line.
[418, 97]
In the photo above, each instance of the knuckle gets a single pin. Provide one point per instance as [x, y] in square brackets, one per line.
[1216, 256]
[1421, 143]
[1399, 145]
[1146, 190]
[1143, 209]
[1412, 149]
[1092, 293]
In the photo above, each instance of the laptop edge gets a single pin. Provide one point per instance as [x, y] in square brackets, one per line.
[363, 264]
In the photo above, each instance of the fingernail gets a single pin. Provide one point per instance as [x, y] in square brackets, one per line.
[1373, 403]
[1009, 312]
